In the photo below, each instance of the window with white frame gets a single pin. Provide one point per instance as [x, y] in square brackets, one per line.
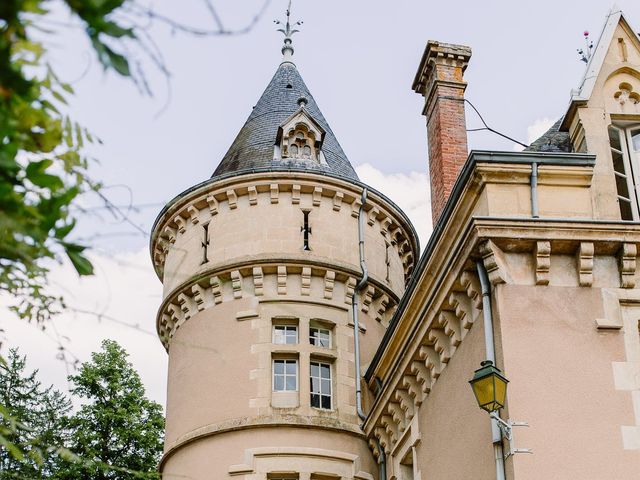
[624, 142]
[321, 385]
[320, 337]
[285, 334]
[285, 375]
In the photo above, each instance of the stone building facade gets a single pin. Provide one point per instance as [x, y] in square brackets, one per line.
[308, 338]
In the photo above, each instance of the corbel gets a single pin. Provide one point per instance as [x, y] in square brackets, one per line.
[182, 224]
[305, 288]
[193, 214]
[198, 296]
[258, 281]
[627, 264]
[451, 326]
[410, 382]
[216, 289]
[383, 303]
[170, 233]
[355, 207]
[295, 194]
[274, 192]
[329, 283]
[431, 358]
[185, 305]
[390, 427]
[213, 205]
[367, 298]
[441, 343]
[384, 226]
[406, 403]
[542, 261]
[232, 198]
[317, 196]
[253, 195]
[493, 262]
[236, 284]
[471, 284]
[422, 375]
[585, 264]
[282, 280]
[337, 201]
[349, 288]
[398, 416]
[372, 215]
[460, 302]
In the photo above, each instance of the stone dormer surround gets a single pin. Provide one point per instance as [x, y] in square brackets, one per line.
[435, 339]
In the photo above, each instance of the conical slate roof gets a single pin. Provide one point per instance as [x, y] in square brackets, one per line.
[253, 148]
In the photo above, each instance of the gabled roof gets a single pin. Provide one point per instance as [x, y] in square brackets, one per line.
[583, 93]
[253, 148]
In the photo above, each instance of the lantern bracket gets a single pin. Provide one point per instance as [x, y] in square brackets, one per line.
[506, 428]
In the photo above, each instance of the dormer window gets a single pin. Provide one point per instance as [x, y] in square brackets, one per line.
[300, 138]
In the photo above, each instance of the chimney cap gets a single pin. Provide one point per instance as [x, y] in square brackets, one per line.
[439, 52]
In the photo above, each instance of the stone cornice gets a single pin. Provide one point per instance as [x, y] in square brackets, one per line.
[203, 202]
[244, 423]
[226, 283]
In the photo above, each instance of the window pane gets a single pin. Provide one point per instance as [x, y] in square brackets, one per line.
[291, 383]
[326, 402]
[325, 370]
[614, 138]
[278, 383]
[278, 366]
[623, 188]
[618, 162]
[635, 140]
[315, 369]
[315, 385]
[291, 367]
[315, 400]
[326, 387]
[625, 209]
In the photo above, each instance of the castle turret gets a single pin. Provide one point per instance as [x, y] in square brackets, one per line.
[263, 266]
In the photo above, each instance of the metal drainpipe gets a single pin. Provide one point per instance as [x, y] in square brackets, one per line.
[534, 190]
[496, 435]
[354, 305]
[383, 462]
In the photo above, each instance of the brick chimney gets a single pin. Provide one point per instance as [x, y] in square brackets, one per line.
[440, 81]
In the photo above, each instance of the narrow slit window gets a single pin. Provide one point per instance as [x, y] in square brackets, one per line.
[387, 261]
[306, 230]
[205, 244]
[321, 385]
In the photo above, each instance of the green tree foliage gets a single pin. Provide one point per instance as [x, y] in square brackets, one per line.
[42, 165]
[39, 433]
[118, 432]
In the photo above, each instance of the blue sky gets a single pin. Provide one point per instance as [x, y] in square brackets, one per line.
[358, 59]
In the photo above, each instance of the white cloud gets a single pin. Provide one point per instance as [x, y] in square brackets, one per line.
[409, 191]
[124, 295]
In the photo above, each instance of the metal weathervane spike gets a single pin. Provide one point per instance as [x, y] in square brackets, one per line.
[287, 48]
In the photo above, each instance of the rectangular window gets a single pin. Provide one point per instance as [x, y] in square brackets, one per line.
[320, 337]
[285, 375]
[625, 145]
[321, 385]
[285, 334]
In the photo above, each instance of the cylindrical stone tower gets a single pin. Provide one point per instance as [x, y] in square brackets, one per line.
[260, 264]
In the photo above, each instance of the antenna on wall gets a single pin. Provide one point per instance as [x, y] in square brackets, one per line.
[585, 53]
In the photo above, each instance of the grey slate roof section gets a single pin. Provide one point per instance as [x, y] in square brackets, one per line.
[253, 147]
[553, 140]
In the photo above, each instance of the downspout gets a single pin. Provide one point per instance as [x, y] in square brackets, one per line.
[383, 462]
[354, 305]
[534, 190]
[496, 435]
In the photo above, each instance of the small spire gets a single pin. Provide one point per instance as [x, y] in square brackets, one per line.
[287, 48]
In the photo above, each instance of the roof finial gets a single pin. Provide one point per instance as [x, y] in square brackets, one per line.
[287, 48]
